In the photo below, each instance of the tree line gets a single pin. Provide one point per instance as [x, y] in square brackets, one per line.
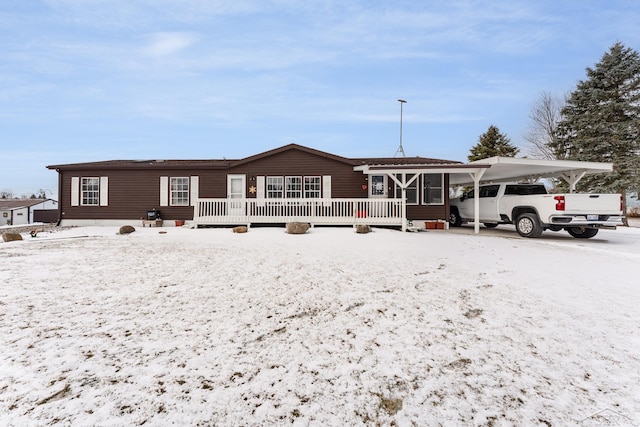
[8, 194]
[599, 121]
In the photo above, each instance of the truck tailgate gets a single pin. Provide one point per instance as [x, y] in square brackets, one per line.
[593, 203]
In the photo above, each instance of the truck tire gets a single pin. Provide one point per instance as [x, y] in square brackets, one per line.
[582, 232]
[454, 218]
[528, 225]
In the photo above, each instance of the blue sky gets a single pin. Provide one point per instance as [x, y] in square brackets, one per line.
[87, 80]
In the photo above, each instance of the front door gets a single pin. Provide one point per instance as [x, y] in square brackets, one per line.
[236, 193]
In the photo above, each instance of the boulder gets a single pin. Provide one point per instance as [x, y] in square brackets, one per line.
[10, 237]
[240, 229]
[363, 229]
[297, 227]
[127, 229]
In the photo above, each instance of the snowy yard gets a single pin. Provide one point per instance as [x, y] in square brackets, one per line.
[206, 327]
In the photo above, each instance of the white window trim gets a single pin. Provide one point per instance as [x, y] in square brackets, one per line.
[269, 192]
[422, 188]
[287, 190]
[316, 180]
[171, 191]
[384, 184]
[415, 184]
[82, 203]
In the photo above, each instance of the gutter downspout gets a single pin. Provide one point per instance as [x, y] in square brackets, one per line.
[59, 197]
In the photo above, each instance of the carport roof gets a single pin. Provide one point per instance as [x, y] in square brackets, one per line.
[498, 169]
[513, 169]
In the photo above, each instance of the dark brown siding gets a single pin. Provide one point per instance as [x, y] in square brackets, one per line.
[345, 183]
[45, 215]
[133, 192]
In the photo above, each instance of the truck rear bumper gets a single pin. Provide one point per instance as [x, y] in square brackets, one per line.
[597, 221]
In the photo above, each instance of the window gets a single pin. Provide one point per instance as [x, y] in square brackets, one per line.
[274, 187]
[377, 185]
[489, 191]
[432, 189]
[412, 189]
[311, 187]
[524, 189]
[294, 187]
[180, 191]
[90, 191]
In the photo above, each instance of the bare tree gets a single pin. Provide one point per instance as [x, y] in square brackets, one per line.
[542, 132]
[6, 194]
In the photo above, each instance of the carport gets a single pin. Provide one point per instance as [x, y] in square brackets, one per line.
[492, 169]
[501, 169]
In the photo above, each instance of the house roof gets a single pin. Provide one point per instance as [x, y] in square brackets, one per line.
[10, 204]
[145, 164]
[228, 163]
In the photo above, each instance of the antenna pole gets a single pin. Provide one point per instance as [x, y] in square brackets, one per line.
[400, 150]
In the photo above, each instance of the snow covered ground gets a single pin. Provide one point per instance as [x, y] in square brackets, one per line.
[206, 327]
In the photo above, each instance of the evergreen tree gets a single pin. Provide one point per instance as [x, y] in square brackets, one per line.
[601, 122]
[492, 143]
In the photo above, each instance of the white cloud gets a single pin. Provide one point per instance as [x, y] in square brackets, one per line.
[163, 44]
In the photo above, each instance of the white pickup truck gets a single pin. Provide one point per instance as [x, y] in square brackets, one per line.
[532, 210]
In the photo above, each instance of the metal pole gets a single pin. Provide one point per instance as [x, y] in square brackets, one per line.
[400, 149]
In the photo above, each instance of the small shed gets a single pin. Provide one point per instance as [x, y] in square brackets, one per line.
[27, 211]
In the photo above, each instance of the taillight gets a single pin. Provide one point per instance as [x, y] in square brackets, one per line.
[622, 204]
[559, 203]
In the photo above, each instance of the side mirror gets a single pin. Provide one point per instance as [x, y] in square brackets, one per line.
[464, 196]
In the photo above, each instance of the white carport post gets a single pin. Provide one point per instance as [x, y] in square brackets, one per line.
[403, 186]
[476, 176]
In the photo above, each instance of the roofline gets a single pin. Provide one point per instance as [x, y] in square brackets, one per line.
[443, 168]
[592, 167]
[27, 203]
[293, 147]
[137, 165]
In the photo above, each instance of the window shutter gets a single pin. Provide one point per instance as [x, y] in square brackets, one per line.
[326, 190]
[260, 190]
[326, 187]
[194, 189]
[104, 191]
[164, 191]
[75, 191]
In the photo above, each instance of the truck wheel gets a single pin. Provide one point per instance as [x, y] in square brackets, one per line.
[490, 224]
[527, 225]
[582, 232]
[454, 218]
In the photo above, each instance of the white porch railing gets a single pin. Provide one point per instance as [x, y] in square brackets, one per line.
[313, 211]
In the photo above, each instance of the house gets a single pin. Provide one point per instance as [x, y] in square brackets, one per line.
[292, 182]
[27, 211]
